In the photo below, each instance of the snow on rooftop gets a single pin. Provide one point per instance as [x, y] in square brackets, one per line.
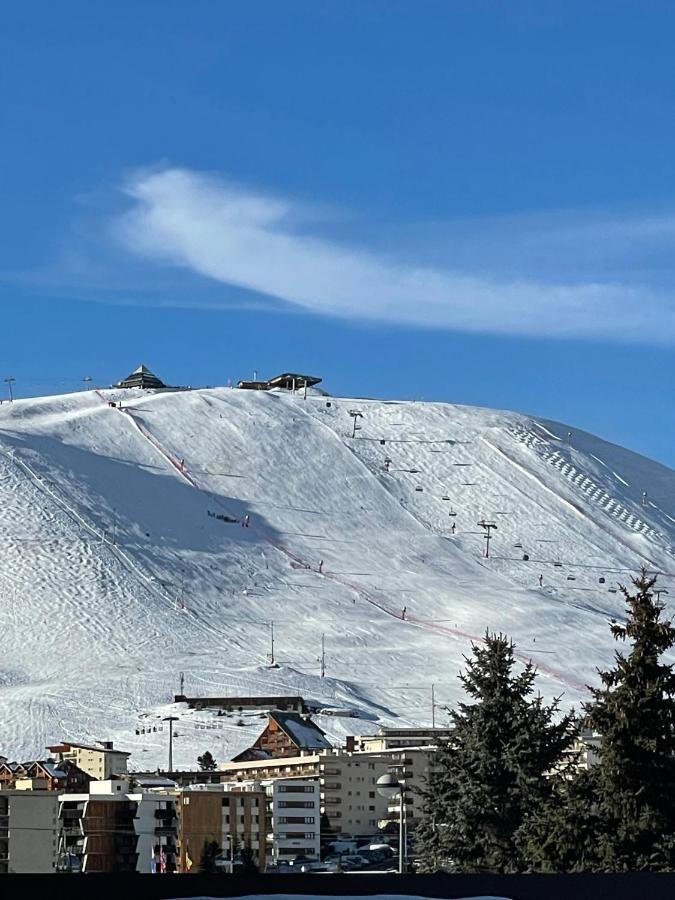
[303, 732]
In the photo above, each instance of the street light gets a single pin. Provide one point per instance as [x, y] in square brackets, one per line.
[388, 786]
[170, 720]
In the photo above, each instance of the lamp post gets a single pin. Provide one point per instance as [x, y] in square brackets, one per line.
[170, 720]
[10, 381]
[388, 786]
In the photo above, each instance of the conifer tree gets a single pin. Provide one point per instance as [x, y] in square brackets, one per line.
[620, 814]
[633, 711]
[206, 762]
[492, 772]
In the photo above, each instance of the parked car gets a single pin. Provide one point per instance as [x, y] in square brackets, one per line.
[354, 861]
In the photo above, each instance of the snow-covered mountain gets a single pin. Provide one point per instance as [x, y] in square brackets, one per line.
[120, 569]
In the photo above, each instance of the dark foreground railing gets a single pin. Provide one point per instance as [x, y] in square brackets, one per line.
[639, 886]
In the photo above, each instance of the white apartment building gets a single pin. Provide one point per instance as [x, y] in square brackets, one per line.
[28, 831]
[294, 810]
[293, 807]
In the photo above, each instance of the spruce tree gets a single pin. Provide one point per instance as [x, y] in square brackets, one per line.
[633, 711]
[206, 762]
[492, 772]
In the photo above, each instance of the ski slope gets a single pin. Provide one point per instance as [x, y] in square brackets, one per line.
[120, 569]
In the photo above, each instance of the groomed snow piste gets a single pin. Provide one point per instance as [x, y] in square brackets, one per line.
[120, 569]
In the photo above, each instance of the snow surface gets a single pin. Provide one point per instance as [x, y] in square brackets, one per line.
[93, 635]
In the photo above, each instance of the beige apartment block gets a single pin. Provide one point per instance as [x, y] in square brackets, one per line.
[100, 760]
[348, 783]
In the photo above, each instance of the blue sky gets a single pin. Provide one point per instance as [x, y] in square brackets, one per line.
[466, 201]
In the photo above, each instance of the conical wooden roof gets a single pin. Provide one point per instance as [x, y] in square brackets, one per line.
[141, 377]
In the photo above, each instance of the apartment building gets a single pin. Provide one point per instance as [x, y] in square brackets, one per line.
[100, 760]
[113, 829]
[347, 780]
[28, 831]
[397, 738]
[294, 806]
[293, 816]
[287, 767]
[233, 819]
[44, 775]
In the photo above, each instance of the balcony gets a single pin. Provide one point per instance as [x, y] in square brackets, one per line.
[332, 786]
[165, 813]
[71, 813]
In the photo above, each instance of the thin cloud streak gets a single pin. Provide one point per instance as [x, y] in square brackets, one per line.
[264, 244]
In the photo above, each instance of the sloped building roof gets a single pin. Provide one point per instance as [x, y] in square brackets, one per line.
[304, 733]
[141, 377]
[289, 380]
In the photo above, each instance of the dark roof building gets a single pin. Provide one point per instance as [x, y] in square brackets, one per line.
[286, 734]
[292, 381]
[141, 377]
[288, 381]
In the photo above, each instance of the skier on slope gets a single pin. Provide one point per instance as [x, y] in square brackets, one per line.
[541, 580]
[403, 612]
[452, 529]
[320, 567]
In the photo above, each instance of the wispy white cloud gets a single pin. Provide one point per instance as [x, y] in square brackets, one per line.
[272, 246]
